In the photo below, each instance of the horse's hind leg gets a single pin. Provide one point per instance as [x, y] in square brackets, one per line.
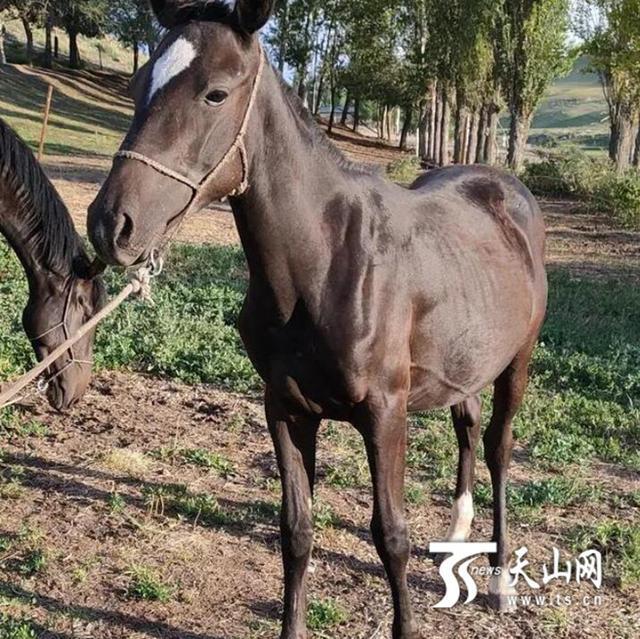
[498, 444]
[295, 443]
[384, 429]
[466, 421]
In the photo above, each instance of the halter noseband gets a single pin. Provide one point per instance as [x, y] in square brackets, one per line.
[63, 325]
[237, 145]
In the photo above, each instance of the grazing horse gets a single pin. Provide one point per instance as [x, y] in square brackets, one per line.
[64, 289]
[366, 300]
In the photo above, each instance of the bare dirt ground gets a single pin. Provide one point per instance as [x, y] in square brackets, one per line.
[90, 491]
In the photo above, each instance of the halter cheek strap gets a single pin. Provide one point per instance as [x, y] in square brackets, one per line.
[237, 184]
[63, 325]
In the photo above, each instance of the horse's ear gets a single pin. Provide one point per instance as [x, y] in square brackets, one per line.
[251, 15]
[171, 13]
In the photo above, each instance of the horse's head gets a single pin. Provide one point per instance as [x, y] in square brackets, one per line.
[57, 308]
[185, 147]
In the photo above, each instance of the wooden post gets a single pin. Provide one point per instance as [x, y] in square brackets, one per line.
[45, 122]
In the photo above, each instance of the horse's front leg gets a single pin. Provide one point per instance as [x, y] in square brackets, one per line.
[383, 425]
[294, 439]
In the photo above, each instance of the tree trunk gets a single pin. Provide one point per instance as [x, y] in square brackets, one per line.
[75, 61]
[437, 142]
[28, 32]
[444, 133]
[3, 55]
[518, 136]
[482, 134]
[56, 47]
[462, 115]
[623, 136]
[318, 104]
[136, 57]
[345, 109]
[433, 119]
[636, 153]
[334, 99]
[423, 132]
[356, 114]
[491, 140]
[472, 147]
[47, 61]
[406, 127]
[283, 31]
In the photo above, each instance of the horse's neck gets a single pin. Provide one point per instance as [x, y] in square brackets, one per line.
[22, 237]
[294, 178]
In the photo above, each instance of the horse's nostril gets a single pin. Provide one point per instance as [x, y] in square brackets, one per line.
[124, 236]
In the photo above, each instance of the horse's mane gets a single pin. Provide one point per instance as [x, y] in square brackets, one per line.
[318, 137]
[47, 229]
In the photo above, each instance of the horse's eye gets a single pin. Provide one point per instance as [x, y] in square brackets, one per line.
[217, 97]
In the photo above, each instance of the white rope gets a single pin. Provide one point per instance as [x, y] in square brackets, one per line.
[139, 285]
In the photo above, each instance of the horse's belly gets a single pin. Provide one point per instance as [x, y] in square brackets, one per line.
[452, 359]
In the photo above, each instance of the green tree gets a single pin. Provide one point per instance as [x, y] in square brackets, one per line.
[132, 22]
[80, 17]
[534, 53]
[611, 29]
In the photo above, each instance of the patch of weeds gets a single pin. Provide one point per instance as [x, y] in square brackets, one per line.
[116, 503]
[415, 494]
[263, 511]
[11, 482]
[324, 516]
[557, 491]
[350, 473]
[31, 563]
[404, 170]
[552, 448]
[554, 622]
[11, 628]
[177, 499]
[323, 614]
[6, 543]
[619, 543]
[482, 495]
[14, 425]
[207, 459]
[146, 585]
[432, 447]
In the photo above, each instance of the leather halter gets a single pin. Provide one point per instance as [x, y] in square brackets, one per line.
[237, 148]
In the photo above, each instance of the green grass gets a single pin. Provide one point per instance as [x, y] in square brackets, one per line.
[619, 543]
[324, 614]
[146, 585]
[201, 457]
[11, 628]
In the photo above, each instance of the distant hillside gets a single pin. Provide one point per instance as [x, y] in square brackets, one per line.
[100, 53]
[574, 110]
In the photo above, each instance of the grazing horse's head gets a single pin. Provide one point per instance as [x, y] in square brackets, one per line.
[185, 147]
[56, 309]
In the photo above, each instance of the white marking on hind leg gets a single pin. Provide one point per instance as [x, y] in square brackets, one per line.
[176, 59]
[461, 518]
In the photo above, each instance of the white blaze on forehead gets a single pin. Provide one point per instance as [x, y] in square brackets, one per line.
[176, 59]
[231, 4]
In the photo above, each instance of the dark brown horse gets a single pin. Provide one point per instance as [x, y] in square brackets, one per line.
[366, 300]
[64, 291]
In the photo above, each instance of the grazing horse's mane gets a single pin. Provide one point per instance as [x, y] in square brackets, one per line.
[318, 137]
[46, 226]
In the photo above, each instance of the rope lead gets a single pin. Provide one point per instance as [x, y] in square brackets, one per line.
[139, 285]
